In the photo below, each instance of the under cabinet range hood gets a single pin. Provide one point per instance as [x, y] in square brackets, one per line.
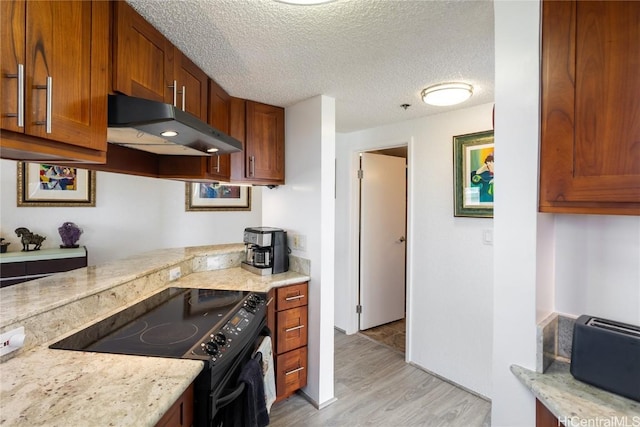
[162, 128]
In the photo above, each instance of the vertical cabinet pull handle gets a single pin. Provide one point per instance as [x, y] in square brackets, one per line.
[20, 95]
[184, 92]
[218, 163]
[49, 103]
[174, 86]
[49, 89]
[20, 81]
[252, 166]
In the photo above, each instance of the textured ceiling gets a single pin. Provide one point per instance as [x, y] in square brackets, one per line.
[370, 55]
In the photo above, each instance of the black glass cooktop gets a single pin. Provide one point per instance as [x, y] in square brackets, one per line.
[166, 325]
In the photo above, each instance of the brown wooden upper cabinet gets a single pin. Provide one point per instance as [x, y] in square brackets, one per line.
[219, 111]
[260, 128]
[147, 65]
[54, 82]
[590, 130]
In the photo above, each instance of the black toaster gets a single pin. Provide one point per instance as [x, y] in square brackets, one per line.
[606, 354]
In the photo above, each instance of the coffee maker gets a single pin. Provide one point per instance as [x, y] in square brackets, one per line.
[266, 250]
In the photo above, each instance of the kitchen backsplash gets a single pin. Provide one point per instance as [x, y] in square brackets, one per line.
[554, 338]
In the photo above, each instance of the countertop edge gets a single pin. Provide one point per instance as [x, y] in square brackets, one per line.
[571, 399]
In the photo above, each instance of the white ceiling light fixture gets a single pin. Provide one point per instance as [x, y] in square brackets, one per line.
[444, 94]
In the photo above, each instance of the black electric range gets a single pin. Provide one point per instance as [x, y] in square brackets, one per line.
[221, 328]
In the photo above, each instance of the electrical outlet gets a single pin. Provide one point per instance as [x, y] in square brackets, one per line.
[174, 274]
[11, 341]
[302, 242]
[294, 241]
[211, 263]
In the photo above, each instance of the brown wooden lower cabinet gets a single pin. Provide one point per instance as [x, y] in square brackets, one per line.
[287, 317]
[181, 413]
[544, 417]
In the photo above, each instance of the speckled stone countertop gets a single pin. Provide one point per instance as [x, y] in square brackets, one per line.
[46, 387]
[574, 402]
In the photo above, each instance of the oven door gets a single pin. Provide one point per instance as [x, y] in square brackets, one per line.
[217, 387]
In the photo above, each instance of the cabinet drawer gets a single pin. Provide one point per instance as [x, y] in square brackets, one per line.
[291, 296]
[291, 371]
[292, 329]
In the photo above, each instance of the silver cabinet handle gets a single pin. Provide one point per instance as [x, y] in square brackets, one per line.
[20, 95]
[174, 86]
[295, 297]
[49, 89]
[218, 163]
[295, 328]
[270, 301]
[184, 92]
[294, 371]
[252, 165]
[20, 80]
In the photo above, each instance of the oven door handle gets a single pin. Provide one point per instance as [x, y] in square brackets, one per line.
[225, 400]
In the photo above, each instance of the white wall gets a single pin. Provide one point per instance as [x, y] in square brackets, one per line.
[132, 215]
[450, 282]
[305, 206]
[598, 266]
[515, 210]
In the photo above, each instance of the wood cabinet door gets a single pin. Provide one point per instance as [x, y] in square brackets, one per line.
[143, 57]
[590, 131]
[12, 52]
[264, 145]
[192, 86]
[66, 72]
[219, 111]
[237, 129]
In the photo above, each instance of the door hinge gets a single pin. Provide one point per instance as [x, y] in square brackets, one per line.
[358, 309]
[360, 174]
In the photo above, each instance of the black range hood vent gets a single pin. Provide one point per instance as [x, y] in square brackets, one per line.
[139, 123]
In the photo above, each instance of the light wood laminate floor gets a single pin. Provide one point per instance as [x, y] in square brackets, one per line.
[375, 387]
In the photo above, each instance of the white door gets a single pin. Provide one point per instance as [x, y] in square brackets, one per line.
[382, 241]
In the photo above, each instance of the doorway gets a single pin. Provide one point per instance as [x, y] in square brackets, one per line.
[382, 246]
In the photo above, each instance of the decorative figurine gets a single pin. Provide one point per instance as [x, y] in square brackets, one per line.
[28, 238]
[3, 245]
[70, 234]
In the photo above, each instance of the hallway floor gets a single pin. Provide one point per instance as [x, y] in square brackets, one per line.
[375, 387]
[391, 334]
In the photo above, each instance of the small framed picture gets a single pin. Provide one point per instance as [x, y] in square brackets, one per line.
[207, 196]
[46, 185]
[473, 163]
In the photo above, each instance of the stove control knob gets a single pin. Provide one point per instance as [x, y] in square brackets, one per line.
[255, 298]
[211, 348]
[220, 338]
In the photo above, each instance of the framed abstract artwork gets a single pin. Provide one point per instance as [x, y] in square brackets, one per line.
[473, 169]
[207, 196]
[47, 185]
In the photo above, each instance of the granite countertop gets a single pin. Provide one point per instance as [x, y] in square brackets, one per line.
[574, 402]
[46, 387]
